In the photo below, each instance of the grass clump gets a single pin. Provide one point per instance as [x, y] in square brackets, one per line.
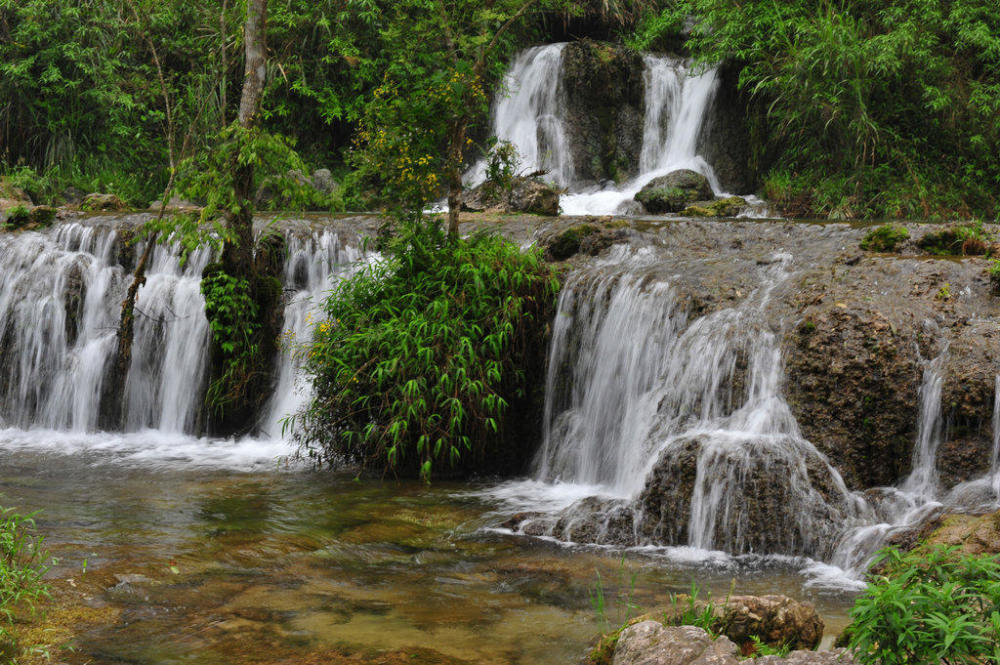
[927, 607]
[885, 238]
[23, 563]
[424, 357]
[958, 240]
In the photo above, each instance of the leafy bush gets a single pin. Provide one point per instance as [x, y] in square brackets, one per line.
[929, 607]
[425, 353]
[995, 276]
[885, 238]
[501, 165]
[232, 316]
[23, 563]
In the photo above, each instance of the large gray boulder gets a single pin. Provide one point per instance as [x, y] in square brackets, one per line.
[674, 192]
[524, 195]
[652, 643]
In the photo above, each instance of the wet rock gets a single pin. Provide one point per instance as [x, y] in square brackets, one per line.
[851, 381]
[790, 501]
[652, 643]
[630, 208]
[567, 243]
[674, 191]
[102, 203]
[604, 91]
[42, 215]
[595, 243]
[833, 657]
[597, 520]
[978, 535]
[528, 195]
[727, 207]
[74, 296]
[725, 138]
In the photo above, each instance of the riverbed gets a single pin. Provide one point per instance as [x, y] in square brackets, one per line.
[179, 550]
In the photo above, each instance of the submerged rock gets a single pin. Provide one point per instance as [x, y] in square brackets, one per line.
[674, 191]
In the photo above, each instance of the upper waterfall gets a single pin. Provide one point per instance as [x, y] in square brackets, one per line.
[530, 111]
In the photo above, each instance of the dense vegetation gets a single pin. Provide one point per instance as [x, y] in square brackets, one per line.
[23, 563]
[424, 354]
[863, 109]
[928, 607]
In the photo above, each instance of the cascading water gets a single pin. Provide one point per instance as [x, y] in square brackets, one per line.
[60, 299]
[530, 113]
[639, 396]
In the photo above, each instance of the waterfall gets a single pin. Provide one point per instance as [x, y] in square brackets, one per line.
[60, 298]
[313, 264]
[530, 114]
[923, 480]
[639, 394]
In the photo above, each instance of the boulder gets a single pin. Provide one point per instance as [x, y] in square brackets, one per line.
[978, 535]
[674, 191]
[652, 643]
[727, 207]
[102, 203]
[792, 501]
[323, 182]
[528, 195]
[833, 657]
[775, 620]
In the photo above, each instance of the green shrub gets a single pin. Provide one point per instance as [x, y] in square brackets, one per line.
[885, 238]
[23, 563]
[995, 276]
[422, 355]
[929, 607]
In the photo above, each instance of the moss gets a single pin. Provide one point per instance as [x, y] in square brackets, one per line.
[885, 238]
[567, 243]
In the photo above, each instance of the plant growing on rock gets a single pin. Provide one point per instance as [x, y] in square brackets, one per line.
[927, 607]
[958, 240]
[885, 238]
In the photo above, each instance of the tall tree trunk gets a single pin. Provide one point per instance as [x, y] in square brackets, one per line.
[456, 141]
[238, 255]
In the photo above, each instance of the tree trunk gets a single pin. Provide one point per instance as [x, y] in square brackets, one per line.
[238, 256]
[456, 141]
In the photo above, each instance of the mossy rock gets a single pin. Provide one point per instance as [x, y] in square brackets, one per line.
[959, 240]
[674, 192]
[885, 238]
[567, 243]
[727, 207]
[102, 203]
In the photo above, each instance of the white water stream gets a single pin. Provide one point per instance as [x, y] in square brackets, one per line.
[530, 112]
[60, 298]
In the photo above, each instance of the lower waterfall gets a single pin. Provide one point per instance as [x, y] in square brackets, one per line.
[60, 299]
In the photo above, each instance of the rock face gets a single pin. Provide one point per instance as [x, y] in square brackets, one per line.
[727, 207]
[674, 192]
[605, 108]
[528, 195]
[789, 499]
[978, 535]
[725, 139]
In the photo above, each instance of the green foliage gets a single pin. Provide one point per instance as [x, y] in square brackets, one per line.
[885, 238]
[929, 607]
[501, 165]
[17, 217]
[624, 599]
[994, 273]
[957, 240]
[883, 108]
[421, 354]
[690, 613]
[23, 564]
[233, 318]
